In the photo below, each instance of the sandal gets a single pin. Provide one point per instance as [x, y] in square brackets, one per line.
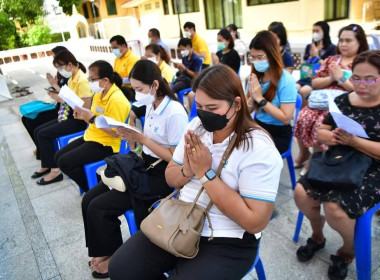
[306, 252]
[339, 268]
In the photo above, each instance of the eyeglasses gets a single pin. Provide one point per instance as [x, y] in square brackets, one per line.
[93, 80]
[357, 82]
[253, 58]
[60, 68]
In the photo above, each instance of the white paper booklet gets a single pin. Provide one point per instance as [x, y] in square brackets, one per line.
[70, 97]
[345, 122]
[107, 122]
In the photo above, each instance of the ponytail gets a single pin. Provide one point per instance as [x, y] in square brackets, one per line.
[164, 55]
[81, 67]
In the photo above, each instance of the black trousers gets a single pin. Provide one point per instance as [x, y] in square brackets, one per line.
[281, 134]
[181, 83]
[71, 158]
[101, 208]
[46, 134]
[31, 124]
[218, 259]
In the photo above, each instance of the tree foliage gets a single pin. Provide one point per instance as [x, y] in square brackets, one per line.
[38, 34]
[25, 11]
[67, 5]
[8, 32]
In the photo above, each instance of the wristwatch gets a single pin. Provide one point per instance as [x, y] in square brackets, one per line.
[92, 120]
[263, 102]
[209, 175]
[342, 80]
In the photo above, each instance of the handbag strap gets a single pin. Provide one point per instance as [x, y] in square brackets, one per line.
[154, 164]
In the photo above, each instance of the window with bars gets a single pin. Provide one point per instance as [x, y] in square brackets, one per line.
[185, 6]
[261, 2]
[336, 9]
[220, 13]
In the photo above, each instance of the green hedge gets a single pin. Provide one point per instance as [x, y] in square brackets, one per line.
[57, 37]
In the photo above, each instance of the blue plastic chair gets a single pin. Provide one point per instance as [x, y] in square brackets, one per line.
[181, 93]
[362, 242]
[193, 111]
[65, 139]
[288, 153]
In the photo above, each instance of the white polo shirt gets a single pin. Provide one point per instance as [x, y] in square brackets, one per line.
[254, 173]
[165, 125]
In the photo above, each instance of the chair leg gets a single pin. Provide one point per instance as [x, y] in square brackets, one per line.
[363, 247]
[292, 172]
[298, 227]
[260, 270]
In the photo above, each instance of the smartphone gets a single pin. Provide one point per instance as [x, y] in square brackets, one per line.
[51, 89]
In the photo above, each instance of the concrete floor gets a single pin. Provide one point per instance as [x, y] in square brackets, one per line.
[41, 229]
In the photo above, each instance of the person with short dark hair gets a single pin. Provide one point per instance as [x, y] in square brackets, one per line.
[279, 32]
[190, 66]
[199, 44]
[343, 206]
[125, 58]
[226, 53]
[155, 38]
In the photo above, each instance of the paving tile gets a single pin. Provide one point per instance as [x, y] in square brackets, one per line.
[59, 213]
[20, 267]
[13, 236]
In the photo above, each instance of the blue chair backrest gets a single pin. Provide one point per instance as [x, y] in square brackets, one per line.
[124, 147]
[193, 111]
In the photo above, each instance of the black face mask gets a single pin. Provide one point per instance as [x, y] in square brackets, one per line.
[211, 121]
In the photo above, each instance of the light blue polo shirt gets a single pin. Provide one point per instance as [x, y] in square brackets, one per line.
[286, 93]
[165, 124]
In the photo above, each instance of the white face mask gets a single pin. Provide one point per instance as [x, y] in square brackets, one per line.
[94, 86]
[144, 98]
[185, 53]
[153, 59]
[317, 36]
[150, 40]
[187, 34]
[65, 73]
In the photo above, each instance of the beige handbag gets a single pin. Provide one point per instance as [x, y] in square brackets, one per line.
[175, 225]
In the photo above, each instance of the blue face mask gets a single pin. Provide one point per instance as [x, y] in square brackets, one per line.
[261, 65]
[116, 52]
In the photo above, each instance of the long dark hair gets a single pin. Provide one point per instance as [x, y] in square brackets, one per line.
[105, 70]
[278, 28]
[326, 33]
[220, 82]
[146, 72]
[233, 27]
[265, 41]
[157, 49]
[64, 57]
[359, 35]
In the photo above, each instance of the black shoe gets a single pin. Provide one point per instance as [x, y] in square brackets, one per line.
[42, 181]
[305, 253]
[98, 275]
[338, 270]
[39, 174]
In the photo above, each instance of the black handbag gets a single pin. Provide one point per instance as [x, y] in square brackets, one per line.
[338, 168]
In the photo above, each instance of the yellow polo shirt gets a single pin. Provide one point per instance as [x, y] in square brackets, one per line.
[167, 72]
[114, 105]
[123, 65]
[79, 84]
[200, 46]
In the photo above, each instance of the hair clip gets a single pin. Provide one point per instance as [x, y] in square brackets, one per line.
[355, 27]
